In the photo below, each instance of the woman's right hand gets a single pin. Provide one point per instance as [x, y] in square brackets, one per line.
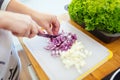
[19, 24]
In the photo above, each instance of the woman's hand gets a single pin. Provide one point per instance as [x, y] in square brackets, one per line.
[49, 22]
[19, 24]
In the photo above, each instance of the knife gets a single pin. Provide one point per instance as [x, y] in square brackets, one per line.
[47, 35]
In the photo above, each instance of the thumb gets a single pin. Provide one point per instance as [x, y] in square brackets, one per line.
[41, 30]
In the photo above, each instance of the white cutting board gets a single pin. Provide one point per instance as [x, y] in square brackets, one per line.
[53, 66]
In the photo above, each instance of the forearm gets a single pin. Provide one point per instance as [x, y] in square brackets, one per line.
[16, 6]
[44, 20]
[2, 19]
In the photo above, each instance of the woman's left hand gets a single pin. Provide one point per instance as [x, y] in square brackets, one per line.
[49, 22]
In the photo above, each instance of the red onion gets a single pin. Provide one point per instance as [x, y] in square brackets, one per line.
[63, 42]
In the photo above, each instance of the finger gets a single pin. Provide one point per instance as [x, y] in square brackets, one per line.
[41, 30]
[27, 33]
[27, 30]
[16, 34]
[49, 30]
[34, 29]
[56, 26]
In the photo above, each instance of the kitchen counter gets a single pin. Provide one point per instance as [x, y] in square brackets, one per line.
[99, 73]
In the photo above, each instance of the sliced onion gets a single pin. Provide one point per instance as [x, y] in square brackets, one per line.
[63, 42]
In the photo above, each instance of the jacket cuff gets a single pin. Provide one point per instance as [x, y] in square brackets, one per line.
[4, 4]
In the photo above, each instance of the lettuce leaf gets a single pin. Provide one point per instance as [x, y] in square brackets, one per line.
[102, 15]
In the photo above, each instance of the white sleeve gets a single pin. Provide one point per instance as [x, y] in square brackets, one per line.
[5, 4]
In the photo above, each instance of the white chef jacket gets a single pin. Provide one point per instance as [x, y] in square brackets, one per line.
[9, 60]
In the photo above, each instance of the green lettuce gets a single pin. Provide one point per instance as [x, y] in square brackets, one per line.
[102, 15]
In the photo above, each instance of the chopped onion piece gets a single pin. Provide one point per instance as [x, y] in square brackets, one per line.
[70, 51]
[61, 43]
[75, 56]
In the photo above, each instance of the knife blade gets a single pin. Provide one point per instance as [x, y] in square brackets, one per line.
[47, 35]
